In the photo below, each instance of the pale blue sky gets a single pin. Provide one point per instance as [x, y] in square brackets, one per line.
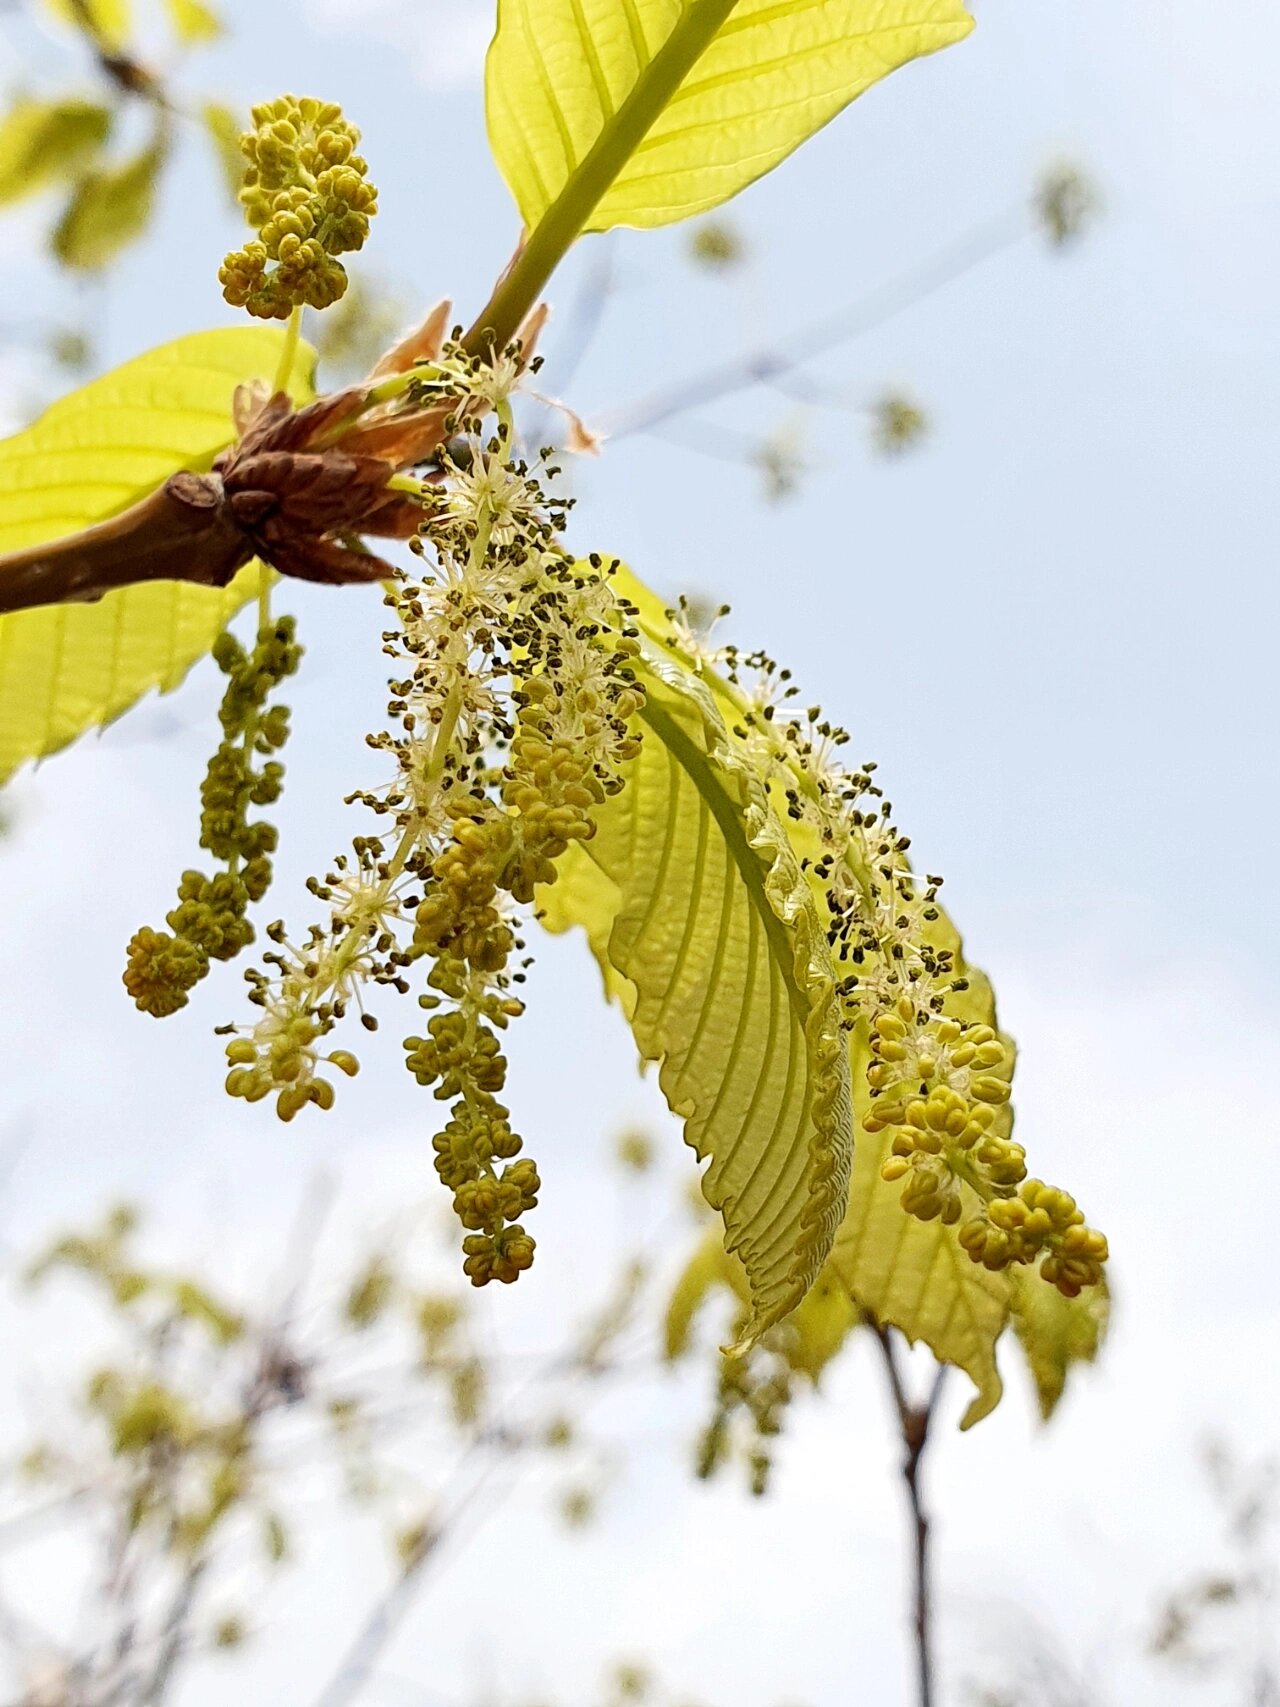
[1054, 625]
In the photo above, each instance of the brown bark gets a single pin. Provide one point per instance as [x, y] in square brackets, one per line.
[298, 489]
[281, 493]
[183, 531]
[914, 1421]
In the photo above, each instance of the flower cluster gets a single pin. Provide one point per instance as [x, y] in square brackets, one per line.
[938, 1078]
[209, 921]
[511, 706]
[307, 196]
[940, 1087]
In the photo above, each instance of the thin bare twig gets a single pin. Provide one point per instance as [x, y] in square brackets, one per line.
[914, 1421]
[121, 68]
[374, 1635]
[588, 1361]
[862, 315]
[389, 1612]
[174, 1634]
[586, 315]
[303, 1246]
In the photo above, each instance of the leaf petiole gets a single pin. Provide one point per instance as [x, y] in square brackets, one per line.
[522, 283]
[288, 351]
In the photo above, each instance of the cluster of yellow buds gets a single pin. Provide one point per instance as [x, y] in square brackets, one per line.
[455, 1054]
[477, 1132]
[460, 916]
[461, 1057]
[939, 1085]
[209, 922]
[936, 1084]
[1040, 1218]
[933, 1129]
[552, 782]
[307, 195]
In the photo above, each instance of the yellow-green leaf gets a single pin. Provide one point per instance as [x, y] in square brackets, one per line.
[1056, 1332]
[913, 1275]
[709, 1269]
[809, 1338]
[909, 1274]
[193, 21]
[689, 891]
[107, 21]
[68, 668]
[108, 210]
[640, 112]
[224, 130]
[825, 1319]
[48, 142]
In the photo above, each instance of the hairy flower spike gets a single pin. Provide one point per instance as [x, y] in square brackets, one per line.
[510, 711]
[307, 196]
[209, 921]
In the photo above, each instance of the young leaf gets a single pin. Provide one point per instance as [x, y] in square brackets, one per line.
[107, 211]
[814, 1331]
[640, 112]
[48, 142]
[822, 1325]
[911, 1274]
[708, 1270]
[107, 22]
[223, 129]
[914, 1276]
[1056, 1332]
[71, 667]
[705, 914]
[193, 21]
